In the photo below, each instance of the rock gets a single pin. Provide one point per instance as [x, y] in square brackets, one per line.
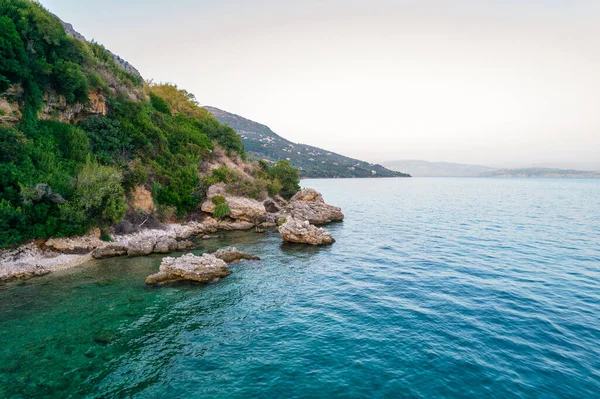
[314, 212]
[308, 195]
[184, 245]
[241, 208]
[189, 267]
[258, 230]
[109, 251]
[205, 237]
[241, 225]
[231, 254]
[216, 189]
[165, 245]
[74, 245]
[279, 200]
[141, 246]
[267, 225]
[271, 206]
[294, 230]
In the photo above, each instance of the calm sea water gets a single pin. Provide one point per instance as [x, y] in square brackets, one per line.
[435, 288]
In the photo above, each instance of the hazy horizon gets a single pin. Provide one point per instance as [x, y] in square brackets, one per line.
[474, 82]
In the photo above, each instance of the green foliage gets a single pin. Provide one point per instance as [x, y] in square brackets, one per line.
[218, 200]
[287, 176]
[274, 187]
[159, 104]
[221, 211]
[108, 141]
[99, 199]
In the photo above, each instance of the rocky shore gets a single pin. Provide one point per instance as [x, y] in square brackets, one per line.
[294, 219]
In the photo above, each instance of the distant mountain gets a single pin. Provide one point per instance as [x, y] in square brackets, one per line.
[263, 143]
[542, 172]
[418, 168]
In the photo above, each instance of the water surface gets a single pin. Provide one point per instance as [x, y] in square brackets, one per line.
[435, 288]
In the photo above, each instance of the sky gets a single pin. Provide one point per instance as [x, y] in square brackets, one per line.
[504, 83]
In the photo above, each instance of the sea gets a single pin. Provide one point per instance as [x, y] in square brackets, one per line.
[434, 288]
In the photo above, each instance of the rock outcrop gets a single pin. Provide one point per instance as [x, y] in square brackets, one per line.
[189, 267]
[75, 245]
[231, 254]
[241, 208]
[309, 205]
[302, 232]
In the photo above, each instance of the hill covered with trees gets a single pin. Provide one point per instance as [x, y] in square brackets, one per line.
[263, 143]
[81, 134]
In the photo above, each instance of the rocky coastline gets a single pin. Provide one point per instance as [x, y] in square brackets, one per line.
[294, 219]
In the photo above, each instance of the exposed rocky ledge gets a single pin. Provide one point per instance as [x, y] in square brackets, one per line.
[189, 267]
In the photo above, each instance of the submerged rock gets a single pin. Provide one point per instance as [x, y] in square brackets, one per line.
[302, 232]
[189, 267]
[231, 254]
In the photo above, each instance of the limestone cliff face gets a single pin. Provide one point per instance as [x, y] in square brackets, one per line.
[55, 107]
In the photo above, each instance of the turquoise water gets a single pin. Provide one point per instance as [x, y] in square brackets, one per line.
[435, 288]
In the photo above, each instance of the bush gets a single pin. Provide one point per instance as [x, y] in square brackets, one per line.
[221, 211]
[99, 198]
[288, 177]
[218, 200]
[159, 104]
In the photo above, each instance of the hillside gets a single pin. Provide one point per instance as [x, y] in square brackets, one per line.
[86, 143]
[261, 142]
[542, 172]
[419, 168]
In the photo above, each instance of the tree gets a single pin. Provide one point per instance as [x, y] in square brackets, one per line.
[288, 178]
[99, 198]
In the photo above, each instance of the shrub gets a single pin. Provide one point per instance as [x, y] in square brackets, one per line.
[99, 198]
[218, 200]
[288, 177]
[160, 104]
[274, 187]
[221, 211]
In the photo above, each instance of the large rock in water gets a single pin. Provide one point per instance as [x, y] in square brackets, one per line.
[309, 205]
[302, 232]
[189, 267]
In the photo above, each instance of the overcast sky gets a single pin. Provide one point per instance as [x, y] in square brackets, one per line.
[504, 83]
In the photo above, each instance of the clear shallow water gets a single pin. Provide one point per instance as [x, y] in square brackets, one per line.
[435, 288]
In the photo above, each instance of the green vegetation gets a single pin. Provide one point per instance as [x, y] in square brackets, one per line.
[60, 179]
[221, 211]
[218, 200]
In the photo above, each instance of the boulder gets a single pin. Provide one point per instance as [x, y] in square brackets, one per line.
[314, 212]
[189, 267]
[231, 254]
[308, 204]
[109, 251]
[302, 232]
[241, 208]
[74, 245]
[308, 195]
[141, 246]
[165, 245]
[271, 206]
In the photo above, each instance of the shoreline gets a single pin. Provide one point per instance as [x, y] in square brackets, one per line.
[297, 217]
